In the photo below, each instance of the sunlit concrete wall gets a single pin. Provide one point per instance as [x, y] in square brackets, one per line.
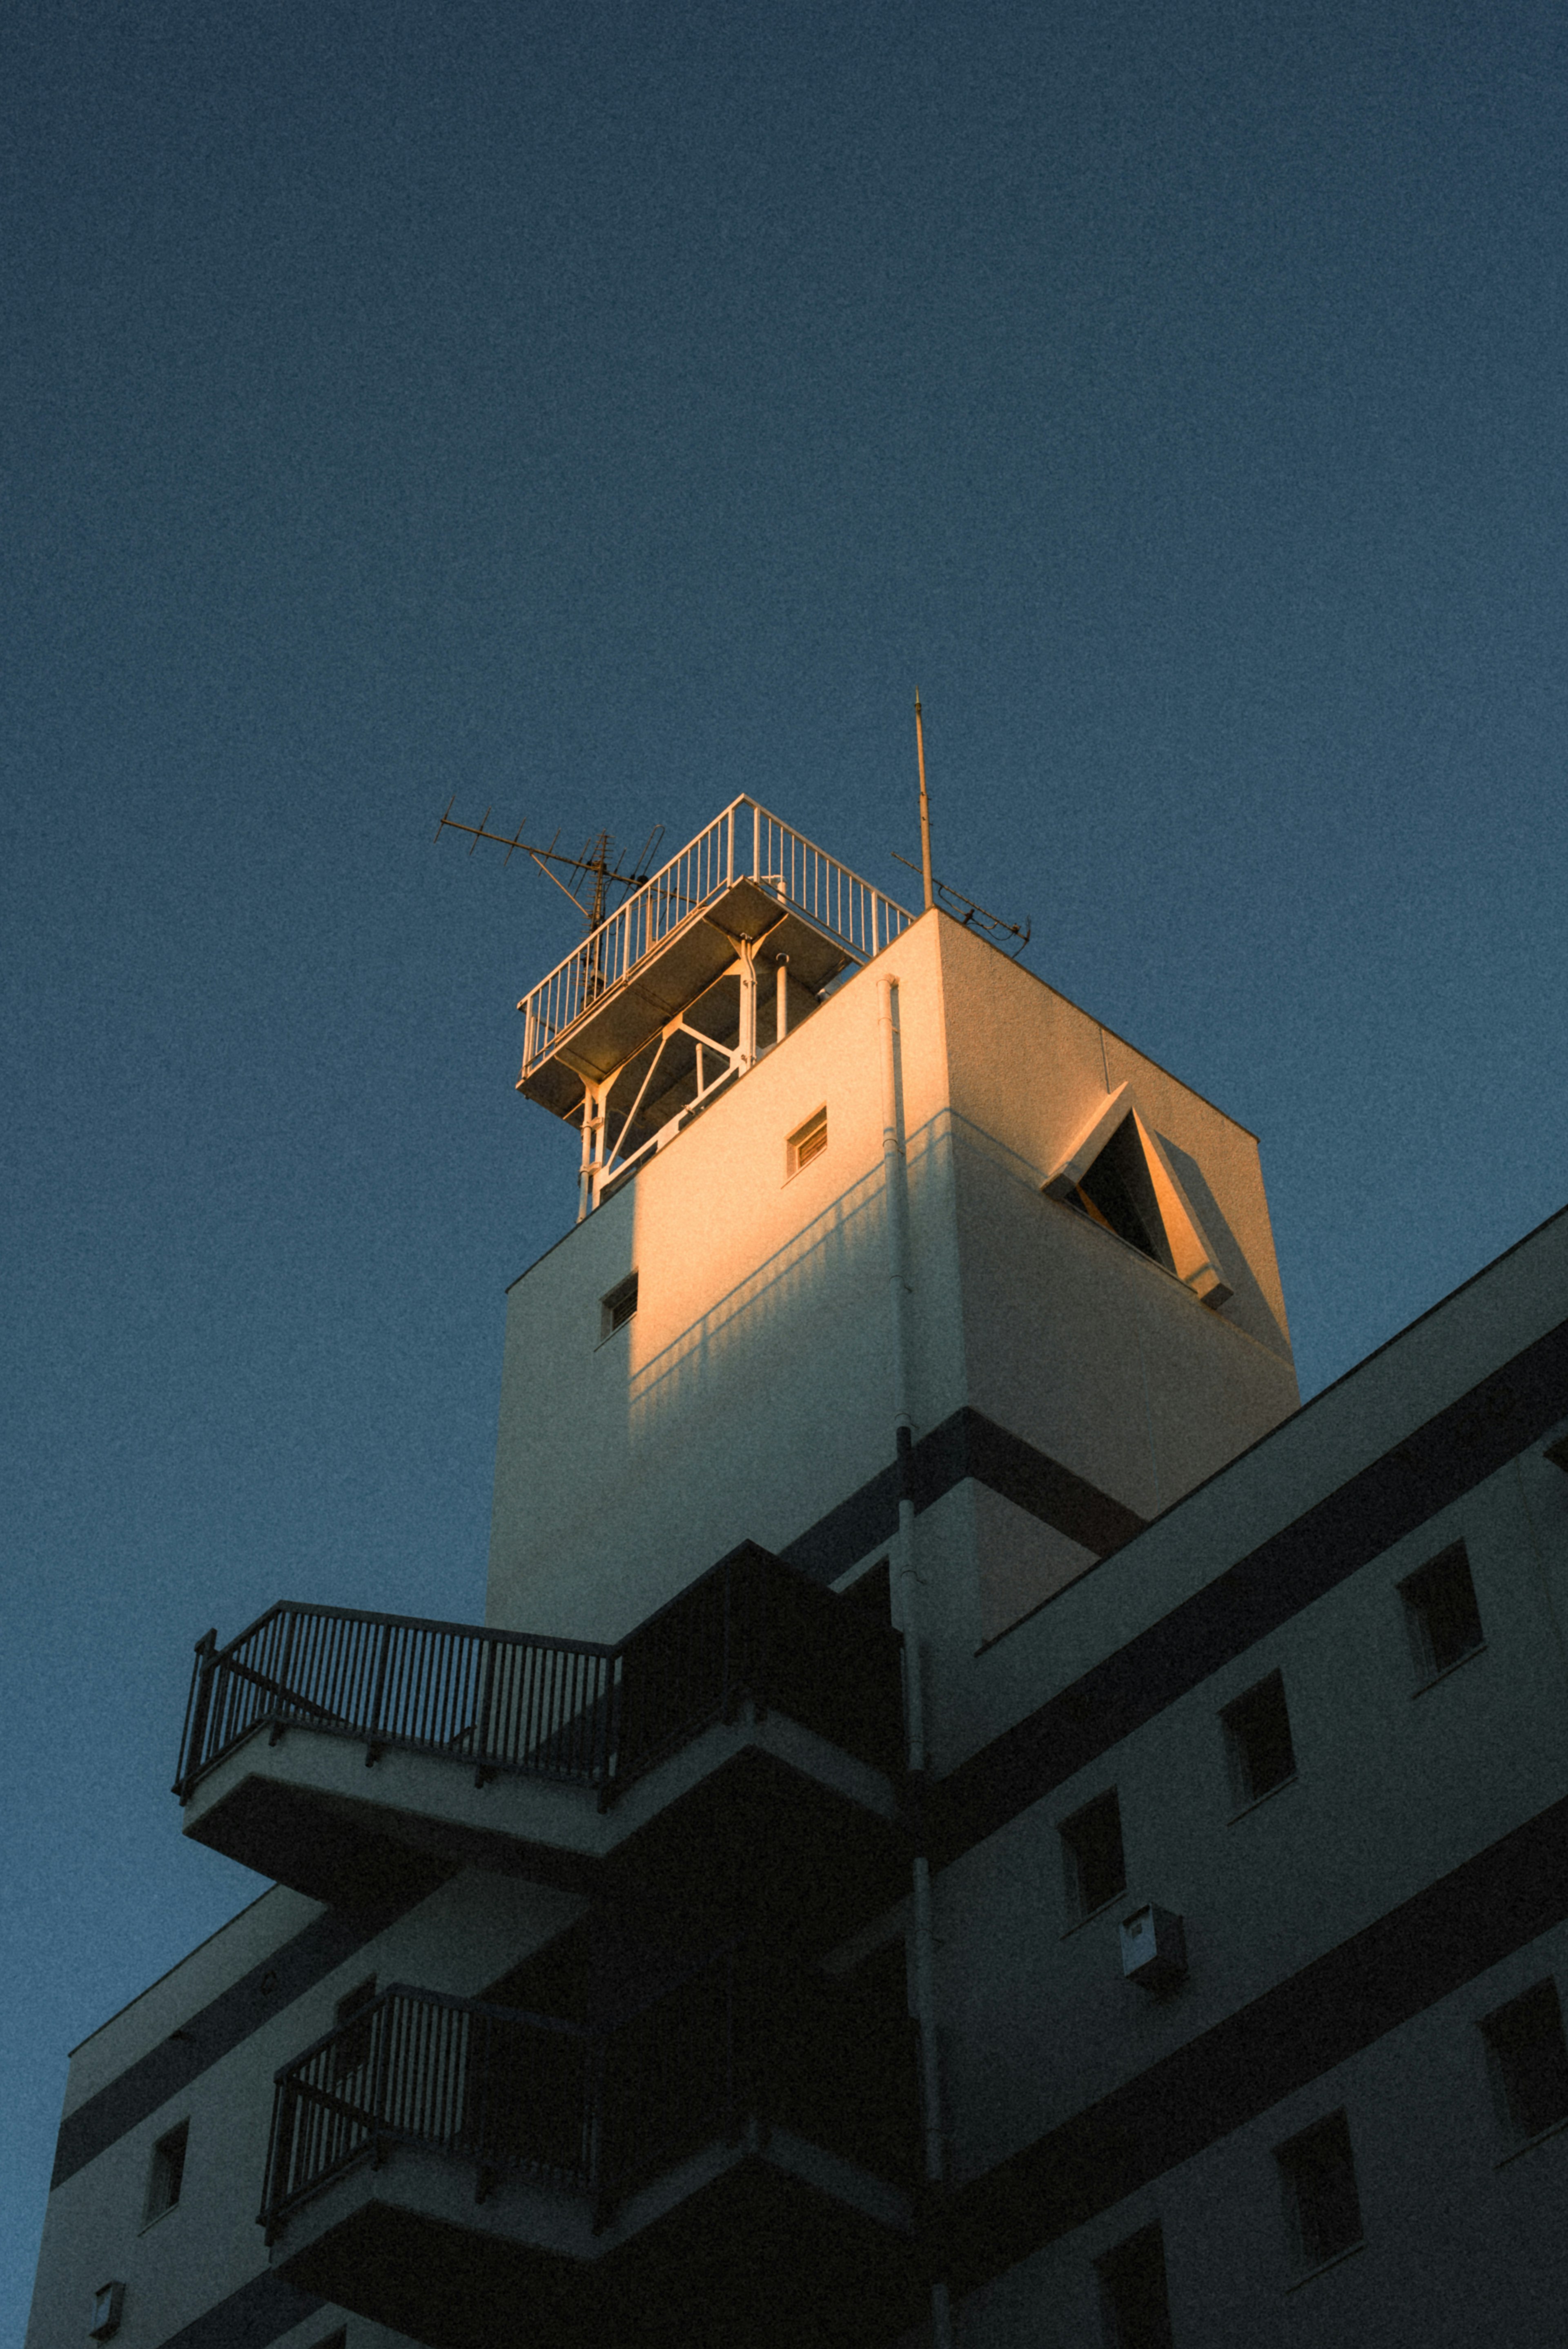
[752, 1392]
[182, 2268]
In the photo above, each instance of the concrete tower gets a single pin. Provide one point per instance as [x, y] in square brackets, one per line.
[932, 1842]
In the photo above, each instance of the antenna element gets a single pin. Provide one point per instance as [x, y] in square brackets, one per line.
[925, 810]
[595, 860]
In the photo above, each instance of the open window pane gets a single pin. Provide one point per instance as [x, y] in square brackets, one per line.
[167, 2174]
[1092, 1851]
[1322, 2209]
[1134, 2307]
[1258, 1741]
[1529, 2061]
[1440, 1611]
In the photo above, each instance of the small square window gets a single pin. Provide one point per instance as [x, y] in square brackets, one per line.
[807, 1142]
[1440, 1612]
[1528, 2061]
[1133, 2308]
[108, 2310]
[616, 1308]
[1092, 1855]
[1323, 2210]
[1258, 1741]
[167, 2174]
[351, 2049]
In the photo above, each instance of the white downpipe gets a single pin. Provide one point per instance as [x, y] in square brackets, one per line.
[922, 1928]
[593, 1126]
[748, 1038]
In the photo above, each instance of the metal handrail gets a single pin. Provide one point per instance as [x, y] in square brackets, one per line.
[571, 1711]
[594, 2109]
[743, 841]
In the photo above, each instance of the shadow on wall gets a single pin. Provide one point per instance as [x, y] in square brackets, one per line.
[838, 1261]
[1254, 1313]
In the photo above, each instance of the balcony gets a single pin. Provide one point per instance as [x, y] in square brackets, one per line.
[740, 1748]
[737, 2155]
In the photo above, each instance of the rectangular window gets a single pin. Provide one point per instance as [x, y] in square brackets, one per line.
[616, 1308]
[807, 1142]
[1440, 1613]
[1133, 2308]
[1323, 2210]
[1529, 2062]
[1258, 1741]
[352, 2048]
[1092, 1855]
[167, 2174]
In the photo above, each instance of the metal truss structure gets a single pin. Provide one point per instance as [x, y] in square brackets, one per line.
[703, 969]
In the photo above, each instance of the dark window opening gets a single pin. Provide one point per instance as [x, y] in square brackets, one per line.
[1092, 1850]
[1323, 2210]
[1441, 1612]
[338, 2340]
[1529, 2061]
[1117, 1193]
[353, 2045]
[1258, 1741]
[167, 2174]
[1134, 2307]
[616, 1308]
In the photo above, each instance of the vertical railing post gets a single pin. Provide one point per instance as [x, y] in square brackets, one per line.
[198, 1706]
[481, 1726]
[285, 1661]
[611, 1711]
[374, 1724]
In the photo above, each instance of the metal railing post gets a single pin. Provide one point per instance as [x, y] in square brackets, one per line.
[374, 1723]
[481, 1726]
[198, 1704]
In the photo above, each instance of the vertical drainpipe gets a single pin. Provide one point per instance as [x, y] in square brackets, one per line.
[593, 1128]
[922, 1930]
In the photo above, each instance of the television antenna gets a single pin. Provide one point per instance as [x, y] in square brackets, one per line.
[973, 916]
[599, 862]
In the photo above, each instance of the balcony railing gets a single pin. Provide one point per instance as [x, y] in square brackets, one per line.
[742, 841]
[567, 1709]
[595, 2111]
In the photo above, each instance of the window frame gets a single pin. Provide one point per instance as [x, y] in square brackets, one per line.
[1079, 1910]
[1113, 2319]
[170, 2155]
[1308, 2260]
[1419, 1610]
[1515, 2136]
[805, 1131]
[1245, 1796]
[617, 1305]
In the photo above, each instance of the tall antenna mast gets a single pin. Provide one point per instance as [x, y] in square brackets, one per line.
[925, 808]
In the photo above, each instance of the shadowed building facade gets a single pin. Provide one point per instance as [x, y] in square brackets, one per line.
[969, 1816]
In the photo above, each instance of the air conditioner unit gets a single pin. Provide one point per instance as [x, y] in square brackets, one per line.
[1153, 1948]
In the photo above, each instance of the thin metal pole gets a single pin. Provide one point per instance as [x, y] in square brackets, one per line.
[925, 808]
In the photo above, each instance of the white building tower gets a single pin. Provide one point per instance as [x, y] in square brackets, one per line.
[805, 1910]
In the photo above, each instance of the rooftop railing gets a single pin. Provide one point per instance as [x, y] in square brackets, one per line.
[595, 2111]
[570, 1710]
[742, 841]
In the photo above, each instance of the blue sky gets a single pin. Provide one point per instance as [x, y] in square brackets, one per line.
[597, 411]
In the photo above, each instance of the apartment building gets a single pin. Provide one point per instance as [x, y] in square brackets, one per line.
[968, 1816]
